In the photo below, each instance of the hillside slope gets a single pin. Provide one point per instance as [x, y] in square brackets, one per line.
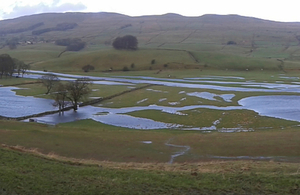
[226, 42]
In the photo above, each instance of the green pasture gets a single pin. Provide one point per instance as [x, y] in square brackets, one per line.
[87, 139]
[23, 173]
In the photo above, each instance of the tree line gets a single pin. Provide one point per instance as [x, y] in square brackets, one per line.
[59, 27]
[9, 65]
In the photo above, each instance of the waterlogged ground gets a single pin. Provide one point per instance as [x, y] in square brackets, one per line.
[206, 104]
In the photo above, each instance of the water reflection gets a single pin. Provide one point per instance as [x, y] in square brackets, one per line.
[195, 83]
[278, 106]
[12, 105]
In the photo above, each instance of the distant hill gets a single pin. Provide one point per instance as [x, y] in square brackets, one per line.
[216, 41]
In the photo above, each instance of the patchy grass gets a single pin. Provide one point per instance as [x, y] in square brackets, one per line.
[87, 139]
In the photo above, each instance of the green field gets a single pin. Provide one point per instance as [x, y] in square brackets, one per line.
[23, 173]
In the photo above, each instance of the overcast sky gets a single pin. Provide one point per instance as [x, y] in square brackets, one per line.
[285, 11]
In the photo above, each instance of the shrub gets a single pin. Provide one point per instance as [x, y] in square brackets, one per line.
[231, 43]
[125, 68]
[88, 68]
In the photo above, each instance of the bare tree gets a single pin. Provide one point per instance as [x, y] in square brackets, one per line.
[60, 96]
[21, 66]
[49, 80]
[77, 90]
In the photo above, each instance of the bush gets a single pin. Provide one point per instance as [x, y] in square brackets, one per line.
[125, 68]
[132, 65]
[231, 43]
[153, 61]
[88, 68]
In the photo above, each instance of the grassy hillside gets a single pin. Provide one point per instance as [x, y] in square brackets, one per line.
[23, 173]
[199, 42]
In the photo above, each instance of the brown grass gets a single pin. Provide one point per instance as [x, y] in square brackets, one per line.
[216, 166]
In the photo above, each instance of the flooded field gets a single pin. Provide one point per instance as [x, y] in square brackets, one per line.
[224, 98]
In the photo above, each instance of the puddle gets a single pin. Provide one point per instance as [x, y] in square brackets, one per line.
[163, 99]
[245, 157]
[290, 78]
[234, 130]
[173, 103]
[158, 91]
[146, 142]
[216, 77]
[131, 122]
[211, 96]
[141, 101]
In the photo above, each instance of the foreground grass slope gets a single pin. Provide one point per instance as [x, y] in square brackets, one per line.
[23, 173]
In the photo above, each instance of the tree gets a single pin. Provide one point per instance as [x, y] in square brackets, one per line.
[77, 90]
[60, 96]
[127, 42]
[49, 80]
[7, 65]
[21, 66]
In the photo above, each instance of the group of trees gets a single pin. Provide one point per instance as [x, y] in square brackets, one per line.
[66, 93]
[127, 42]
[75, 44]
[10, 65]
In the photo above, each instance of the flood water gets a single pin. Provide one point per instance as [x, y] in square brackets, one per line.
[278, 106]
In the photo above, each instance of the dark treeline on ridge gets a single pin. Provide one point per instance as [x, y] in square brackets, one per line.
[59, 27]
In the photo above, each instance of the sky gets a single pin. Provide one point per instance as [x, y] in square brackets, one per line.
[284, 11]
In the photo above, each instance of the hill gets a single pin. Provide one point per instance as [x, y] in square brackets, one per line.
[171, 40]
